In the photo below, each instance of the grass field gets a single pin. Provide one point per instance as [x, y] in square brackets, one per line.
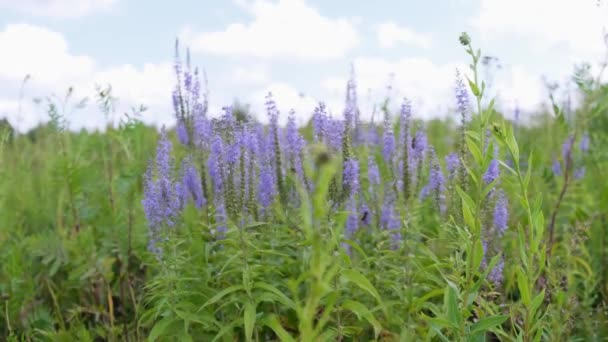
[471, 228]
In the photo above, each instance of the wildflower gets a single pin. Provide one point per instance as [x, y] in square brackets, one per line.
[389, 141]
[452, 162]
[556, 167]
[579, 173]
[405, 117]
[320, 122]
[462, 96]
[373, 174]
[191, 188]
[351, 183]
[567, 148]
[389, 219]
[436, 184]
[266, 187]
[493, 170]
[182, 132]
[160, 202]
[501, 213]
[419, 145]
[335, 131]
[496, 274]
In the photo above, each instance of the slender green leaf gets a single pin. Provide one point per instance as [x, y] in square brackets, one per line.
[488, 323]
[249, 320]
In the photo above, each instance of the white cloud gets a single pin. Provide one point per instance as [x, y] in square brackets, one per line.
[287, 28]
[428, 85]
[390, 34]
[44, 55]
[286, 97]
[572, 25]
[58, 8]
[254, 74]
[519, 87]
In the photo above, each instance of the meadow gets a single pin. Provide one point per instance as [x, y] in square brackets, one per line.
[470, 228]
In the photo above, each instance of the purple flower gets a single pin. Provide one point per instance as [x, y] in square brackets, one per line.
[496, 274]
[272, 111]
[351, 176]
[320, 122]
[295, 142]
[501, 213]
[462, 96]
[579, 173]
[202, 130]
[266, 187]
[373, 174]
[176, 107]
[420, 145]
[388, 148]
[335, 131]
[182, 132]
[220, 219]
[567, 148]
[373, 138]
[389, 219]
[405, 117]
[215, 165]
[436, 185]
[161, 203]
[492, 172]
[191, 187]
[556, 167]
[352, 222]
[452, 161]
[351, 99]
[584, 144]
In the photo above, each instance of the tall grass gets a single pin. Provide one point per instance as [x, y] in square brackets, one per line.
[467, 229]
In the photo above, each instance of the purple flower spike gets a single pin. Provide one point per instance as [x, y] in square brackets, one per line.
[501, 213]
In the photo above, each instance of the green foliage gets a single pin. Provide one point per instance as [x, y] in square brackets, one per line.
[75, 267]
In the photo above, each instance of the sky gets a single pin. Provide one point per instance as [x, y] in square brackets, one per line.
[300, 50]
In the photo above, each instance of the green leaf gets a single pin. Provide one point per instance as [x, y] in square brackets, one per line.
[465, 197]
[249, 320]
[475, 151]
[227, 329]
[507, 167]
[488, 323]
[524, 289]
[164, 327]
[222, 294]
[361, 281]
[537, 301]
[442, 322]
[474, 88]
[468, 216]
[280, 296]
[439, 333]
[451, 302]
[328, 310]
[478, 256]
[362, 311]
[273, 323]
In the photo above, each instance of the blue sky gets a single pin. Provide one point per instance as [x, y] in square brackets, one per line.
[300, 50]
